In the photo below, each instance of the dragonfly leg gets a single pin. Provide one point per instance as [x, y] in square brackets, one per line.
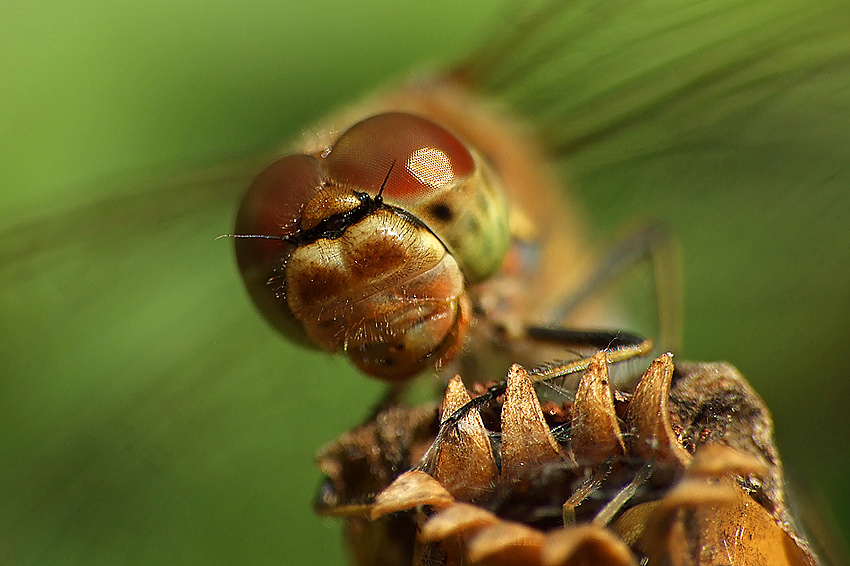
[619, 346]
[653, 243]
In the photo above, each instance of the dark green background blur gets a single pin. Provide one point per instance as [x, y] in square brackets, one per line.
[148, 415]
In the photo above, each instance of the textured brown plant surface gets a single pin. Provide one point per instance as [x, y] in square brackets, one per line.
[679, 468]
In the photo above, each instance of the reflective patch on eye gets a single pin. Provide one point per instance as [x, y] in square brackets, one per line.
[430, 166]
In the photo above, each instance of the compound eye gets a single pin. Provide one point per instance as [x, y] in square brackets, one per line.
[272, 206]
[424, 157]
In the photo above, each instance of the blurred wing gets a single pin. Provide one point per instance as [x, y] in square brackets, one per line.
[724, 119]
[139, 386]
[727, 120]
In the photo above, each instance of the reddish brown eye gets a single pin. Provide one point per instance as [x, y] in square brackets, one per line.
[273, 203]
[272, 206]
[426, 156]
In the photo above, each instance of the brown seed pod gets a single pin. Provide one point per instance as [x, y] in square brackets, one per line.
[679, 469]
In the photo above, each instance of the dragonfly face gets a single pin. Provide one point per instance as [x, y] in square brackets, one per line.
[375, 240]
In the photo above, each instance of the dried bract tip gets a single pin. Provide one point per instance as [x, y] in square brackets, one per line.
[454, 520]
[465, 462]
[506, 543]
[527, 441]
[411, 489]
[717, 460]
[694, 492]
[587, 544]
[596, 434]
[653, 437]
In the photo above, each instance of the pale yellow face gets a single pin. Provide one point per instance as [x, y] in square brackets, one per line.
[373, 243]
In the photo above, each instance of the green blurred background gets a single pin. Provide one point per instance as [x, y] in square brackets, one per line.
[147, 414]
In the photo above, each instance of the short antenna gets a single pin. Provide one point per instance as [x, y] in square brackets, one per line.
[380, 198]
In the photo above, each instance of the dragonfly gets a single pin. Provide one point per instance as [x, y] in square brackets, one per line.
[444, 245]
[689, 125]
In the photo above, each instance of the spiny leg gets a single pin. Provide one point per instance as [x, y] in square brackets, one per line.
[621, 346]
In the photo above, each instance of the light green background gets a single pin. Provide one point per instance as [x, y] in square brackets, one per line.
[148, 416]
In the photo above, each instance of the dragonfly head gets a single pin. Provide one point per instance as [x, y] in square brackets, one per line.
[374, 242]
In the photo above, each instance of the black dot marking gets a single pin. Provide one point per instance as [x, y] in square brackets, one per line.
[442, 211]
